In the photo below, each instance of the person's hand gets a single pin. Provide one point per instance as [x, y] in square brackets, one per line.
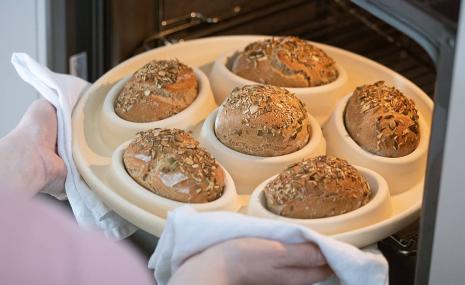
[254, 261]
[28, 153]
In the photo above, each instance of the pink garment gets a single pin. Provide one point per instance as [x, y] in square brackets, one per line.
[41, 244]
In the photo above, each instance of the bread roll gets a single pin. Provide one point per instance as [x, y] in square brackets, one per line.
[170, 163]
[318, 187]
[158, 90]
[285, 62]
[382, 120]
[262, 120]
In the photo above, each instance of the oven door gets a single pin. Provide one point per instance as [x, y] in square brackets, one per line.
[441, 255]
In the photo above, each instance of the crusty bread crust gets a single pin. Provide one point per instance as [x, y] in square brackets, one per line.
[170, 163]
[263, 120]
[319, 187]
[382, 120]
[158, 90]
[285, 62]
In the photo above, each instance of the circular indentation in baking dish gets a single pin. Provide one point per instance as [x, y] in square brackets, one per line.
[377, 209]
[401, 173]
[116, 130]
[319, 100]
[248, 170]
[158, 205]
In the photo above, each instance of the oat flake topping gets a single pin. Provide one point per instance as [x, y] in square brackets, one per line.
[310, 174]
[183, 153]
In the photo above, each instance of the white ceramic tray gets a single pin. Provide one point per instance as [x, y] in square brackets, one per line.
[93, 156]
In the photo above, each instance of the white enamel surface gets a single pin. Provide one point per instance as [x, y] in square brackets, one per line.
[319, 100]
[401, 173]
[128, 188]
[248, 170]
[115, 130]
[377, 209]
[93, 156]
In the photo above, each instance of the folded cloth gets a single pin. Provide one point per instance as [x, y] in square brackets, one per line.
[63, 92]
[188, 232]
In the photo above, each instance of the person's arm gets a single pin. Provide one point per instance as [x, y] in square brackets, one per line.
[254, 261]
[40, 243]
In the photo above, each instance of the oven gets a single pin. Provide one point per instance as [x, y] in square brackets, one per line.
[422, 40]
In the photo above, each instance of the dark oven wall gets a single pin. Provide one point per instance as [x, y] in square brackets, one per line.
[110, 31]
[182, 20]
[119, 29]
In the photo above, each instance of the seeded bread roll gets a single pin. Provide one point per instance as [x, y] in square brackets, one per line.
[285, 62]
[262, 120]
[382, 120]
[318, 187]
[170, 163]
[158, 90]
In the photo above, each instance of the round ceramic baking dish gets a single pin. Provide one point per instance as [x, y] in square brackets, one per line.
[401, 173]
[116, 130]
[319, 100]
[249, 170]
[377, 209]
[93, 157]
[158, 205]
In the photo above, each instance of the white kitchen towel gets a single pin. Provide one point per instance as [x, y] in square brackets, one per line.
[188, 232]
[63, 92]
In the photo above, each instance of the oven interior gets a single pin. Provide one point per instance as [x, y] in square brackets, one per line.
[108, 32]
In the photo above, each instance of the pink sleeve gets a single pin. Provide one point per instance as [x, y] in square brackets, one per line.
[41, 244]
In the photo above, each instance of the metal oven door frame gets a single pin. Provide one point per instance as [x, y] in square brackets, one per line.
[441, 252]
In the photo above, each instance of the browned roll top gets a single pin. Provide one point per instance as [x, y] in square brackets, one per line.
[263, 120]
[158, 90]
[318, 187]
[285, 62]
[382, 120]
[170, 163]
